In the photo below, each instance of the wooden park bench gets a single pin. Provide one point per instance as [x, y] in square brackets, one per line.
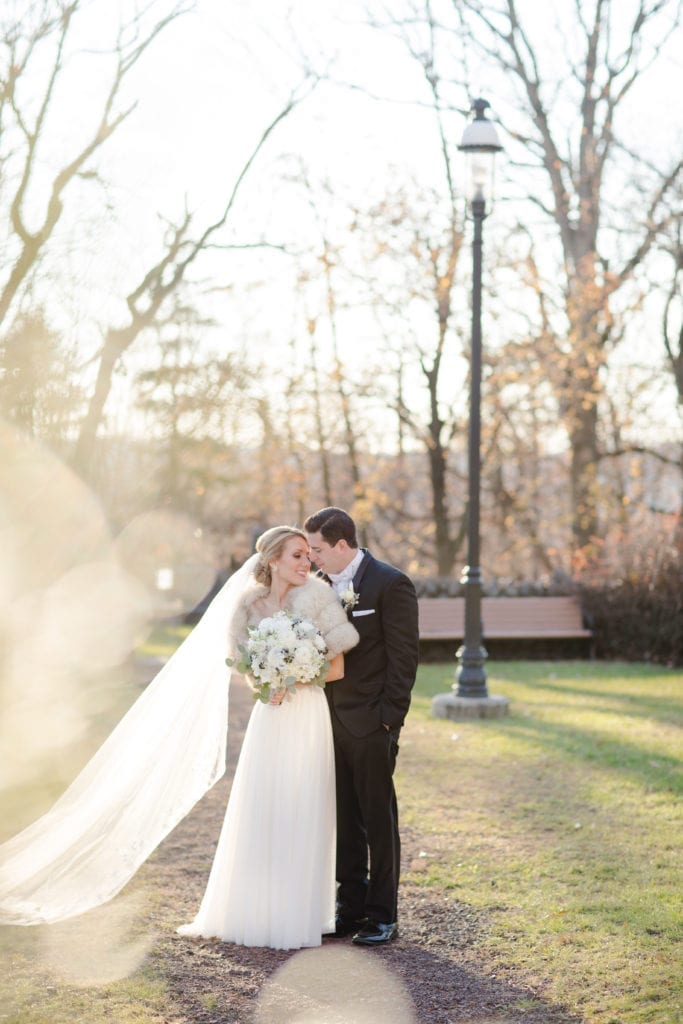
[504, 618]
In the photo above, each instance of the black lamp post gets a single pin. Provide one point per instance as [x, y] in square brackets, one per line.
[480, 144]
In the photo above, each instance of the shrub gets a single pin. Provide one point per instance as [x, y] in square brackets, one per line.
[633, 597]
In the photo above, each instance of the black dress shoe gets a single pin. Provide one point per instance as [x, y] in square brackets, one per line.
[345, 926]
[374, 933]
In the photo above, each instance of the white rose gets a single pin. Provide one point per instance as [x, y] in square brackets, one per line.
[302, 659]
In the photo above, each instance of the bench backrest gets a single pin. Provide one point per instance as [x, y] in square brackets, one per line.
[444, 617]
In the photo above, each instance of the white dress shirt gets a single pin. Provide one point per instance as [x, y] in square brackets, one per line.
[341, 581]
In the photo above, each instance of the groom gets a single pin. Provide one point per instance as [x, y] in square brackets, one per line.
[367, 707]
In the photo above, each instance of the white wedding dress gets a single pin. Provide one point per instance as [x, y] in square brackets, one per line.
[272, 882]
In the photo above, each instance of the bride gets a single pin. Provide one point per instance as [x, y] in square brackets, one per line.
[272, 882]
[169, 749]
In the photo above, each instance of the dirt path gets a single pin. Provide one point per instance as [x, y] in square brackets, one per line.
[435, 959]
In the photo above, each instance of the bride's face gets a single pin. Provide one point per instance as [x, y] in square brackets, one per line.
[294, 564]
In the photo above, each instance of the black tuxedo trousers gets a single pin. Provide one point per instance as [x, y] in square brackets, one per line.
[368, 842]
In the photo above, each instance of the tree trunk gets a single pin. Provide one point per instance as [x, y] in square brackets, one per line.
[319, 421]
[583, 437]
[84, 457]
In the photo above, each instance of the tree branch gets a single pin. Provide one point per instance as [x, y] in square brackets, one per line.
[127, 58]
[635, 449]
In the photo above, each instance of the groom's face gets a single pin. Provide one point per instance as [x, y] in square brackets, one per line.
[330, 558]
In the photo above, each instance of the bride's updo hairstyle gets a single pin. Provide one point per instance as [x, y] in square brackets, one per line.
[270, 546]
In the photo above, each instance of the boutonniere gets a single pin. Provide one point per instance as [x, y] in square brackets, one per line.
[349, 598]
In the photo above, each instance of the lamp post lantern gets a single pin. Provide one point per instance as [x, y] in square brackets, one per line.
[480, 144]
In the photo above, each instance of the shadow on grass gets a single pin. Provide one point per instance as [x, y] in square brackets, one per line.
[650, 768]
[595, 746]
[661, 709]
[616, 873]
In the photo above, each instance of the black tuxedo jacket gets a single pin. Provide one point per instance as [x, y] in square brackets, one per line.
[379, 672]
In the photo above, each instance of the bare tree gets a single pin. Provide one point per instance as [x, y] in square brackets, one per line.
[327, 261]
[294, 391]
[419, 255]
[318, 418]
[146, 302]
[672, 315]
[40, 35]
[37, 47]
[576, 161]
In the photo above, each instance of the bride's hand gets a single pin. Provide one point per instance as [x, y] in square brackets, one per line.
[277, 698]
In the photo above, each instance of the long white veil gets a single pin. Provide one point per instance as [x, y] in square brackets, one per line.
[164, 754]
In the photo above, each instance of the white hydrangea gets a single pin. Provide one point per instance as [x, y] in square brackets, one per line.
[281, 651]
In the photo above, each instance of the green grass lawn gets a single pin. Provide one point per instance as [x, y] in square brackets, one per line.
[562, 823]
[557, 830]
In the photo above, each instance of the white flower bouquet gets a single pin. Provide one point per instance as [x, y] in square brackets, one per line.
[280, 652]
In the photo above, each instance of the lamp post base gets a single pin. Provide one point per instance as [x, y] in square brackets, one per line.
[449, 705]
[471, 674]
